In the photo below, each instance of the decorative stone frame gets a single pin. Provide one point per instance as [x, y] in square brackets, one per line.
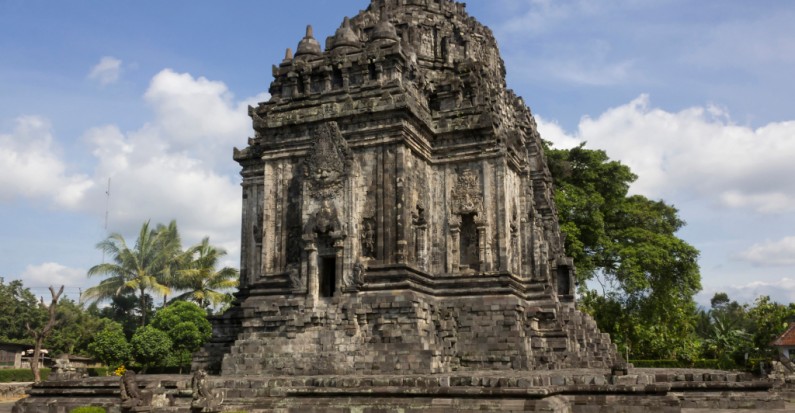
[466, 199]
[330, 172]
[312, 263]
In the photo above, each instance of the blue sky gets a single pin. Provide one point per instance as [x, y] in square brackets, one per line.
[697, 97]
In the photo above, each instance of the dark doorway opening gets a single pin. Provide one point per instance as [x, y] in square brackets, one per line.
[468, 243]
[564, 281]
[328, 276]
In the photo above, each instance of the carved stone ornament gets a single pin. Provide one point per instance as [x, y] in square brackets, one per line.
[132, 399]
[64, 370]
[358, 272]
[325, 220]
[204, 400]
[329, 162]
[367, 237]
[467, 197]
[296, 279]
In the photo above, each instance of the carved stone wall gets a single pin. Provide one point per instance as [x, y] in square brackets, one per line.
[379, 334]
[393, 187]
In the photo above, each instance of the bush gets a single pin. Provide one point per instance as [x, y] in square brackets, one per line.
[88, 409]
[98, 371]
[714, 364]
[21, 375]
[150, 346]
[110, 346]
[187, 326]
[167, 369]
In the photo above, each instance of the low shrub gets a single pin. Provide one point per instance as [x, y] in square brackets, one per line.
[714, 364]
[165, 369]
[656, 364]
[88, 409]
[98, 371]
[20, 375]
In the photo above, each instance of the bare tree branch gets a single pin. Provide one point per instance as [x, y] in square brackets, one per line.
[41, 335]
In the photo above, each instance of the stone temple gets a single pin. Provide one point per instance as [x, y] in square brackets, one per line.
[401, 250]
[398, 212]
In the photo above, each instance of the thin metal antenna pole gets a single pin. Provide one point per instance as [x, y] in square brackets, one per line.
[107, 205]
[107, 213]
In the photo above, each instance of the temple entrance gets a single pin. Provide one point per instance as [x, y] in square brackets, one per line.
[326, 266]
[327, 274]
[468, 243]
[563, 281]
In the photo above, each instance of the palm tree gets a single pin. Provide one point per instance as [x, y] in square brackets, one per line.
[171, 246]
[139, 269]
[201, 280]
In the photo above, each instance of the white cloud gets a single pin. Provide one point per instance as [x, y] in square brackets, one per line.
[696, 153]
[781, 291]
[196, 115]
[176, 166]
[179, 165]
[53, 274]
[553, 132]
[591, 72]
[33, 168]
[538, 16]
[771, 253]
[107, 71]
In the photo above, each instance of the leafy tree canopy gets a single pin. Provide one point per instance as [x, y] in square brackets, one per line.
[768, 320]
[110, 346]
[150, 346]
[18, 306]
[628, 245]
[202, 282]
[169, 318]
[154, 268]
[124, 310]
[187, 327]
[76, 329]
[146, 267]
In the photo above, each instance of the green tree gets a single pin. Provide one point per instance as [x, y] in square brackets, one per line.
[81, 326]
[150, 346]
[18, 306]
[628, 245]
[725, 329]
[139, 269]
[185, 340]
[201, 281]
[727, 341]
[123, 309]
[187, 326]
[171, 247]
[768, 320]
[110, 346]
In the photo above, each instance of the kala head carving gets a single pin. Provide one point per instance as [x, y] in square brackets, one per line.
[329, 161]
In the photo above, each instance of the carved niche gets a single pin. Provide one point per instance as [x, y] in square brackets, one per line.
[467, 224]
